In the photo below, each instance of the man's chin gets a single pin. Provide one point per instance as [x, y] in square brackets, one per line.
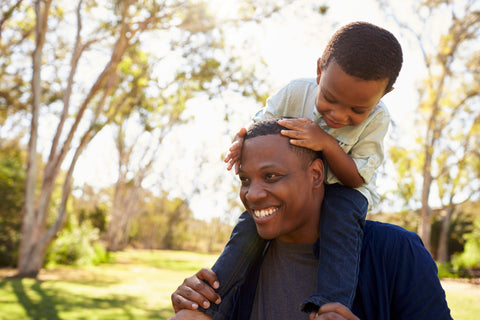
[266, 235]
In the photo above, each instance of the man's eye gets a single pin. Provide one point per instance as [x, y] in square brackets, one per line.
[244, 181]
[270, 177]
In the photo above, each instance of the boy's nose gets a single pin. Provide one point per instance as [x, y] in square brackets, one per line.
[342, 116]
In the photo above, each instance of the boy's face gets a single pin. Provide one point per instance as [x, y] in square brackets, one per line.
[282, 195]
[345, 100]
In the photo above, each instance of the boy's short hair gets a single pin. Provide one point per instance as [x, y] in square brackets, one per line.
[270, 126]
[365, 51]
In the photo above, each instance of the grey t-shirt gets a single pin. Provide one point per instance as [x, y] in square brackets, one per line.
[287, 276]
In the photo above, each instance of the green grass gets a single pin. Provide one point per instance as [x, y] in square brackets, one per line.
[137, 286]
[463, 299]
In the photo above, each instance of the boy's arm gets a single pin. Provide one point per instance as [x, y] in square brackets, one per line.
[306, 133]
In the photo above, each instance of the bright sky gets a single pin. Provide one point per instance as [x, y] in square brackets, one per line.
[290, 47]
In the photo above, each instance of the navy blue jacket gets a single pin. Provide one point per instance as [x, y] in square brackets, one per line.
[397, 280]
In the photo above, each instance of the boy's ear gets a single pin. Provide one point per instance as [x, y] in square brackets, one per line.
[319, 70]
[390, 90]
[318, 172]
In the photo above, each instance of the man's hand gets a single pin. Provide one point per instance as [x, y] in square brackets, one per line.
[190, 315]
[333, 311]
[194, 291]
[306, 133]
[235, 151]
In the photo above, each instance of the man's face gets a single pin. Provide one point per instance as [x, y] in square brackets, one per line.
[282, 196]
[345, 100]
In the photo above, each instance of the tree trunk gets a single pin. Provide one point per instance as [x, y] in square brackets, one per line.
[425, 223]
[442, 252]
[33, 260]
[425, 230]
[32, 249]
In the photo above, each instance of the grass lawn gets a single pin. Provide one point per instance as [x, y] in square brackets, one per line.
[137, 286]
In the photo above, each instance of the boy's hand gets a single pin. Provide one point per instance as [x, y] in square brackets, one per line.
[194, 291]
[305, 133]
[235, 151]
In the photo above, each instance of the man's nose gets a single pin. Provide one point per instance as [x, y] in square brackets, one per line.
[255, 192]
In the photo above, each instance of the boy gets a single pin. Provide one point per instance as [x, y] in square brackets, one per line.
[340, 114]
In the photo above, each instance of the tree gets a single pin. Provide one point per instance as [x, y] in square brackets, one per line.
[121, 30]
[77, 77]
[448, 109]
[209, 68]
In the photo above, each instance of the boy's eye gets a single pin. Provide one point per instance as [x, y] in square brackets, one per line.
[359, 110]
[328, 99]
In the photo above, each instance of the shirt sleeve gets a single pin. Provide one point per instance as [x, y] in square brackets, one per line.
[368, 152]
[275, 106]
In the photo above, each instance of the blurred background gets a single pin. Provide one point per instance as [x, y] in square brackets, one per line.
[115, 118]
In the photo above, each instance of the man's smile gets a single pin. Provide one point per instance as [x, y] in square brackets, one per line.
[262, 213]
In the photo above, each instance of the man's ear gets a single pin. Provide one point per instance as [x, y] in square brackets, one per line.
[319, 70]
[317, 170]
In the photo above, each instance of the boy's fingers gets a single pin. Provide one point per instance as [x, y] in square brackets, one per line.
[242, 132]
[291, 122]
[237, 167]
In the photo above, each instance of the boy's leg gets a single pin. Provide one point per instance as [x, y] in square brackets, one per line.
[242, 250]
[341, 232]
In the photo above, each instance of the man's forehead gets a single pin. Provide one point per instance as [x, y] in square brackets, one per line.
[263, 141]
[265, 145]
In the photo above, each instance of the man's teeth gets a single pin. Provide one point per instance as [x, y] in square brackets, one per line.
[264, 212]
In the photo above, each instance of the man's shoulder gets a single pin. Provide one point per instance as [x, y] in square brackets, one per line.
[384, 234]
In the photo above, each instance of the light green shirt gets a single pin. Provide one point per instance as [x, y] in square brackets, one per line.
[364, 143]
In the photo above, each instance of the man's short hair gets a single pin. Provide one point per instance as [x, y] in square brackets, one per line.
[270, 126]
[365, 51]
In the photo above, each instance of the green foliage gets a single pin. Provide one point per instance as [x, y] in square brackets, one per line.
[446, 270]
[462, 222]
[77, 244]
[169, 224]
[12, 177]
[470, 257]
[96, 216]
[163, 225]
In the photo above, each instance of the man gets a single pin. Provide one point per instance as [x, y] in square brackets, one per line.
[282, 189]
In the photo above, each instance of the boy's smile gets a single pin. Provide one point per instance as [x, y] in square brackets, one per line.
[345, 100]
